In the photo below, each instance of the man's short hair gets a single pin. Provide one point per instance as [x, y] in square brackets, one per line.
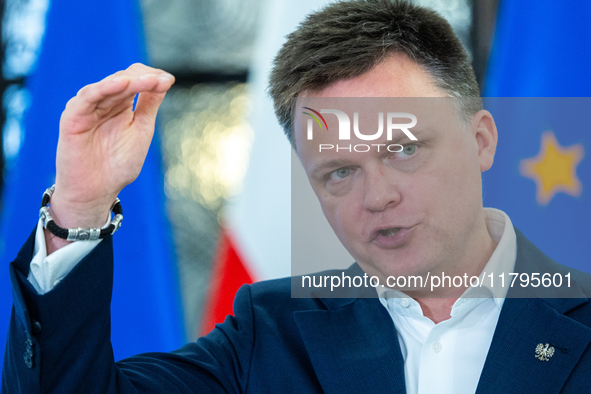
[348, 38]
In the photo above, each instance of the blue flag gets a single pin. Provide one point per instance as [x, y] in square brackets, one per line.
[84, 42]
[542, 171]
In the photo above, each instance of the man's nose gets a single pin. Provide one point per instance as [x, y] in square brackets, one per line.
[380, 191]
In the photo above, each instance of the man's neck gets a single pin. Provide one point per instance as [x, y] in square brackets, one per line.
[438, 306]
[436, 309]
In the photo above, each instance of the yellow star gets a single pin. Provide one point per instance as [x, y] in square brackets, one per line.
[554, 169]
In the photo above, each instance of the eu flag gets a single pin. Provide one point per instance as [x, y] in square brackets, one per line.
[84, 42]
[542, 172]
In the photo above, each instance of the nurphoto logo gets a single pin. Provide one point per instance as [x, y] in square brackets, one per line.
[392, 123]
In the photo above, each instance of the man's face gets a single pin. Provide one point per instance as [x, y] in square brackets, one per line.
[409, 212]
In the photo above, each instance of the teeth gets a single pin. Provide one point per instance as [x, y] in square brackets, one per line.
[389, 232]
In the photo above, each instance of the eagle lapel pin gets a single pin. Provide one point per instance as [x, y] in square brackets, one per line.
[544, 353]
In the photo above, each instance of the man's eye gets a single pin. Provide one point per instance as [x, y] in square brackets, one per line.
[408, 150]
[341, 173]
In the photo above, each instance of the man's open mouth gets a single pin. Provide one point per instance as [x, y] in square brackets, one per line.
[389, 232]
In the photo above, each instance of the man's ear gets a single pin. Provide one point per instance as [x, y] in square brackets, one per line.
[485, 132]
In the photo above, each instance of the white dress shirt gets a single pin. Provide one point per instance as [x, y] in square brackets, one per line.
[47, 271]
[444, 358]
[448, 357]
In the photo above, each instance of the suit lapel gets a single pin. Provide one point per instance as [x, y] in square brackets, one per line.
[524, 323]
[353, 346]
[511, 365]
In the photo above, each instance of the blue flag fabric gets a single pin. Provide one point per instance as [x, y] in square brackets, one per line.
[542, 171]
[84, 42]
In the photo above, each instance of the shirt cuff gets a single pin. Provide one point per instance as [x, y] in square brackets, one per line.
[47, 271]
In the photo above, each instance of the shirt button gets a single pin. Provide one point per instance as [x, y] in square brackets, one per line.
[437, 347]
[404, 302]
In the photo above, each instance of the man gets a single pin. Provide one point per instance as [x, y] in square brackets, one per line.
[414, 211]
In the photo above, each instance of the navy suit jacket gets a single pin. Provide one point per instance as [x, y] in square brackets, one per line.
[59, 342]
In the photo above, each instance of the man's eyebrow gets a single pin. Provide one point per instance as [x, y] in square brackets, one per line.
[399, 137]
[402, 139]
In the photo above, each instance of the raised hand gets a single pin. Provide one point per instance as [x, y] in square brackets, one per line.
[102, 145]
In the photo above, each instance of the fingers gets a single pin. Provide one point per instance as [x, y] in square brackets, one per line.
[118, 88]
[146, 109]
[148, 83]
